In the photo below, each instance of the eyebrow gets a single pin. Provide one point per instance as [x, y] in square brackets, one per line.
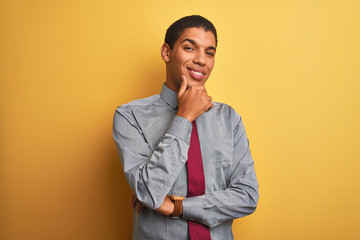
[194, 43]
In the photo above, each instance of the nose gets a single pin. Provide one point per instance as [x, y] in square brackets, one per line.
[200, 58]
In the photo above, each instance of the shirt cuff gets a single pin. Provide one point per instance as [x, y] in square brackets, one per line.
[181, 128]
[193, 209]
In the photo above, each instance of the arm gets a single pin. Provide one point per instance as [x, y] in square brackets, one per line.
[150, 174]
[240, 197]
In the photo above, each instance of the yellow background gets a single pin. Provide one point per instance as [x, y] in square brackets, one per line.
[290, 68]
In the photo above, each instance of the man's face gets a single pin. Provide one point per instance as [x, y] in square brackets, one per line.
[193, 55]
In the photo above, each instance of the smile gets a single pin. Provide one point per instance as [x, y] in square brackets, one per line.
[196, 74]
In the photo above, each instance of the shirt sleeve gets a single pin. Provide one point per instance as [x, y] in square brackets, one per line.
[240, 197]
[151, 174]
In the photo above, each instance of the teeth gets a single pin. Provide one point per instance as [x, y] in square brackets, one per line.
[197, 73]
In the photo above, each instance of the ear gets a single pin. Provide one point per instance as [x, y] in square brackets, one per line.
[165, 52]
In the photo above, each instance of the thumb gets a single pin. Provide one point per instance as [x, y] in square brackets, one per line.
[183, 85]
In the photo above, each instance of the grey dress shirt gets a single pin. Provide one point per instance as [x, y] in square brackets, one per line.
[153, 144]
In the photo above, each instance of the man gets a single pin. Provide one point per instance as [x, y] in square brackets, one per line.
[187, 159]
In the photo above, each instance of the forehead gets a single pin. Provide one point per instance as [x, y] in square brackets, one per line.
[199, 36]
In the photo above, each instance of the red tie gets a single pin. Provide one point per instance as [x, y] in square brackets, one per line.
[196, 183]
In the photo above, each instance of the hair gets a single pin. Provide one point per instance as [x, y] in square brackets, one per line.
[174, 32]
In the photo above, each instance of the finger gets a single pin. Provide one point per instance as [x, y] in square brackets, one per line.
[204, 89]
[199, 87]
[183, 85]
[210, 106]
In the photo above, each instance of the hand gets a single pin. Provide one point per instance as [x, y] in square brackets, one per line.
[167, 207]
[135, 203]
[192, 101]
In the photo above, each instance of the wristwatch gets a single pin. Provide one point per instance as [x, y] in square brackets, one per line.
[178, 205]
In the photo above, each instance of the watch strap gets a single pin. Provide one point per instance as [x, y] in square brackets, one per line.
[178, 205]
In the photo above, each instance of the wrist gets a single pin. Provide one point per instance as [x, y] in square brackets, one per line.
[178, 208]
[188, 117]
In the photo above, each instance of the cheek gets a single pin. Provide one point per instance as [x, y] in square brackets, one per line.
[179, 63]
[211, 66]
[176, 65]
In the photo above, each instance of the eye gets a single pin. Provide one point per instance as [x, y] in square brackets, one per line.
[189, 48]
[210, 54]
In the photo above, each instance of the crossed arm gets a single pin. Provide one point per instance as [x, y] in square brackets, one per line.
[151, 174]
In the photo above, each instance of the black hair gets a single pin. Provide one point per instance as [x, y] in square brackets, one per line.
[177, 28]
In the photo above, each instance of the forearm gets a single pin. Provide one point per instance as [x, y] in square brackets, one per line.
[220, 206]
[151, 174]
[240, 196]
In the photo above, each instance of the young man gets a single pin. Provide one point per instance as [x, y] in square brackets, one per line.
[187, 159]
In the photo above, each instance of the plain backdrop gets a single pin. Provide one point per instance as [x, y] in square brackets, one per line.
[290, 68]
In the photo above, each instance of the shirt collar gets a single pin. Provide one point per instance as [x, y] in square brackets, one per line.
[169, 96]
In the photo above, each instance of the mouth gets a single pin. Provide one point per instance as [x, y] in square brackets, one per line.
[196, 74]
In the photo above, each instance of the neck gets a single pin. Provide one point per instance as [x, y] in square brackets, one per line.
[172, 84]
